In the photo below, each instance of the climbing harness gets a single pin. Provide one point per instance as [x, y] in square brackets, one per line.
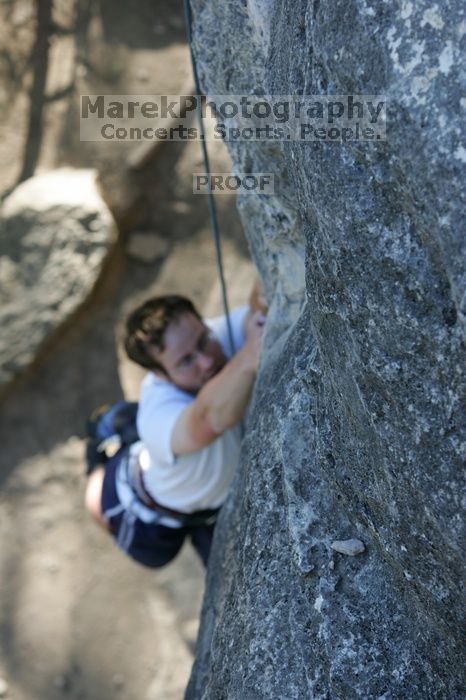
[210, 195]
[112, 428]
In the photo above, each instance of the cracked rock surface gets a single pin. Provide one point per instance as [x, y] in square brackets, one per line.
[357, 429]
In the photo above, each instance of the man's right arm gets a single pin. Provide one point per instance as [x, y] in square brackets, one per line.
[221, 403]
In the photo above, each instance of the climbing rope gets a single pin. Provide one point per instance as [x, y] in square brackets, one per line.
[211, 201]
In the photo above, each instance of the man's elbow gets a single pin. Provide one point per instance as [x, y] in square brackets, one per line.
[218, 424]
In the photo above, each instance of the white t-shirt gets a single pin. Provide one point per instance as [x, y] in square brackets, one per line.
[198, 480]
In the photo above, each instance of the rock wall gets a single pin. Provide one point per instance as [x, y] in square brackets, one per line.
[357, 428]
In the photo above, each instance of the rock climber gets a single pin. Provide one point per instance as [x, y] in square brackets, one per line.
[170, 485]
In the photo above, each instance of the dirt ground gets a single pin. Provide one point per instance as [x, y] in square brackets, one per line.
[77, 619]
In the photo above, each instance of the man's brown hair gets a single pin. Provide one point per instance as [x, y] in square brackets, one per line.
[146, 326]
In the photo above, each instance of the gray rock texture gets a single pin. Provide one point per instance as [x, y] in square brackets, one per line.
[55, 234]
[357, 428]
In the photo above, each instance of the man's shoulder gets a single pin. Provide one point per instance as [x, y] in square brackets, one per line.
[156, 389]
[160, 405]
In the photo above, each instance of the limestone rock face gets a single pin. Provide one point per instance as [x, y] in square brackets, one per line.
[56, 232]
[357, 428]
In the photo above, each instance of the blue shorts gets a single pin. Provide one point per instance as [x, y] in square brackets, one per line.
[137, 529]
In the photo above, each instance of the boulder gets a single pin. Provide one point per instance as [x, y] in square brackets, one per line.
[357, 427]
[55, 234]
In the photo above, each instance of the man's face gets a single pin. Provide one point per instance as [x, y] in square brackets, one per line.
[191, 355]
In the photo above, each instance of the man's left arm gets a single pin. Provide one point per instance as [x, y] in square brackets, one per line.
[222, 401]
